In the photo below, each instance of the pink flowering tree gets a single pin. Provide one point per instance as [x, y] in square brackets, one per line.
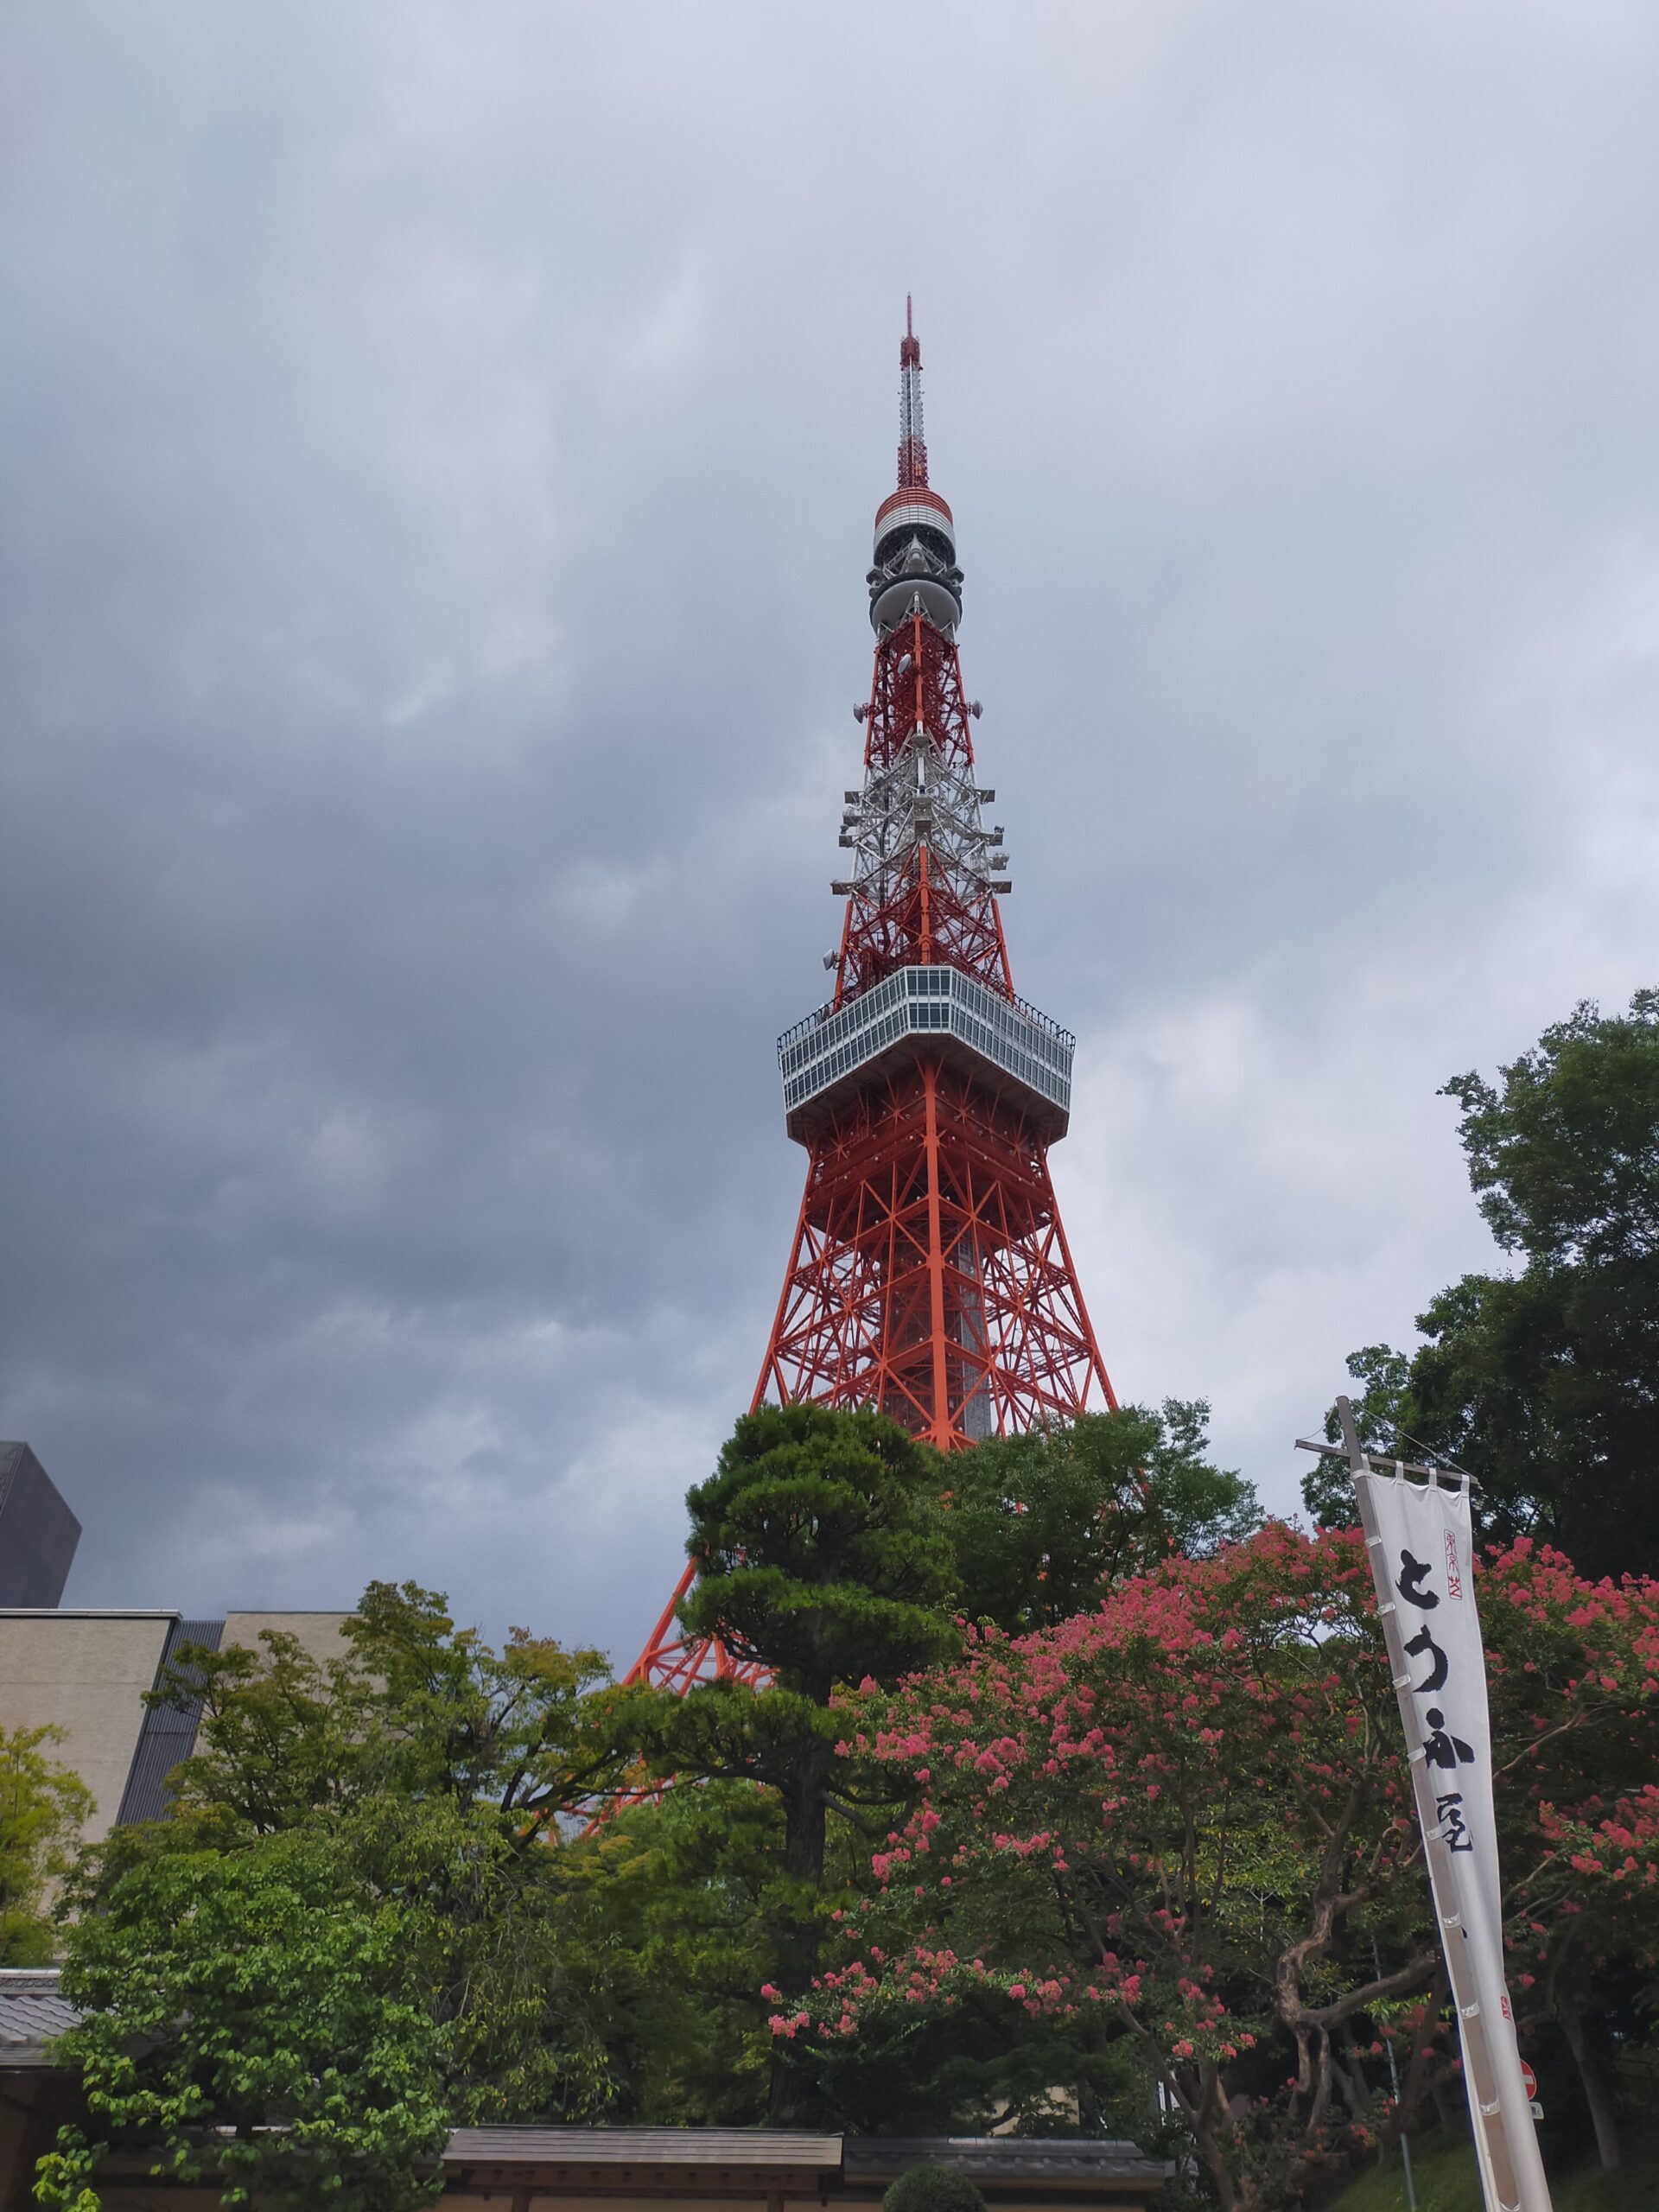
[1573, 1670]
[1177, 1830]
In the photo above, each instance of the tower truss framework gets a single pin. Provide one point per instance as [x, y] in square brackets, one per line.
[930, 1274]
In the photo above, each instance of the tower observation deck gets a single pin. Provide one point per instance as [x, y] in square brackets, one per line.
[930, 1274]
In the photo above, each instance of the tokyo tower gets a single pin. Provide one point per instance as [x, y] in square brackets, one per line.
[930, 1275]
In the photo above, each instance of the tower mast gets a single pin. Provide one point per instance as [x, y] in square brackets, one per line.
[930, 1274]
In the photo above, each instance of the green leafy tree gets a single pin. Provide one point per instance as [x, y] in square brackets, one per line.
[932, 2188]
[1042, 1523]
[257, 2017]
[1544, 1382]
[821, 1553]
[447, 1764]
[413, 1709]
[684, 1889]
[358, 1921]
[43, 1806]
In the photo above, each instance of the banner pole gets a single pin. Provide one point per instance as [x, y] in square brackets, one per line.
[1512, 2170]
[1393, 2077]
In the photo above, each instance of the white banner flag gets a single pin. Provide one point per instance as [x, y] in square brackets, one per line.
[1422, 1561]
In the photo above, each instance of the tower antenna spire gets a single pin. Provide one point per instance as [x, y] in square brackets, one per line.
[912, 446]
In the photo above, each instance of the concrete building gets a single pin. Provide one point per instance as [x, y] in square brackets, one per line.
[38, 1533]
[86, 1672]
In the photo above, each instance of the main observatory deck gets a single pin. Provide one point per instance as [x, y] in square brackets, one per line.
[826, 1057]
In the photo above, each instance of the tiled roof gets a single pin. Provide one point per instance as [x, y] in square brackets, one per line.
[1074, 2159]
[1055, 2162]
[32, 2010]
[641, 2146]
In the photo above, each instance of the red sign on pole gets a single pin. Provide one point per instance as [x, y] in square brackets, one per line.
[1529, 2079]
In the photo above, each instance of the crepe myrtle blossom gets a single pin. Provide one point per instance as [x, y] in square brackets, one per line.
[1184, 1819]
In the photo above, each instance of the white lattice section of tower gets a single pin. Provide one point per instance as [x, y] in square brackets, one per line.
[928, 797]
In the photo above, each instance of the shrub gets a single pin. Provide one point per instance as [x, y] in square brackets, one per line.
[932, 2189]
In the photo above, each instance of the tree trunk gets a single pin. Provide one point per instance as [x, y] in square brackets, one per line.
[804, 1814]
[805, 1826]
[1349, 2069]
[1215, 2166]
[1451, 2104]
[1595, 2092]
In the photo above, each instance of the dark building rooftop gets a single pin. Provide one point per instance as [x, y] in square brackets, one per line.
[38, 1533]
[641, 2146]
[32, 2010]
[678, 2164]
[1057, 2162]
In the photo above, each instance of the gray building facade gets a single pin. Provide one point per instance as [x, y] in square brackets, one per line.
[38, 1533]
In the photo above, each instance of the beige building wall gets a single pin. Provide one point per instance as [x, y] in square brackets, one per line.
[87, 1673]
[316, 1634]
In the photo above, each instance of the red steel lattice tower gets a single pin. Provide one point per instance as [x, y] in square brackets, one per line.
[930, 1275]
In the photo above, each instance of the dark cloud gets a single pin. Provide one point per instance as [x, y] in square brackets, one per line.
[440, 450]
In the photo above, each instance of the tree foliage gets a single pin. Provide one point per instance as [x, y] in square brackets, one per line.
[357, 1922]
[629, 1970]
[258, 2016]
[413, 1710]
[1544, 1382]
[1141, 1827]
[932, 2188]
[839, 1553]
[44, 1805]
[1172, 1830]
[1041, 1524]
[821, 1553]
[820, 1549]
[685, 1889]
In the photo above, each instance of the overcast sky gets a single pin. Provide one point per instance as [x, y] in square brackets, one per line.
[440, 445]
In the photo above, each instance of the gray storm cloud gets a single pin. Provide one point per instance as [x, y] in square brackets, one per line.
[440, 447]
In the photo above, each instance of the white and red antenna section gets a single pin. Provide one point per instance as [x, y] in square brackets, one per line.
[912, 446]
